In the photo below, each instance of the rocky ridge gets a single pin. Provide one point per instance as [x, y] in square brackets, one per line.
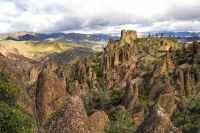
[131, 74]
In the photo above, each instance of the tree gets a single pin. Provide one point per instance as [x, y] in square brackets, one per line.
[120, 122]
[156, 35]
[149, 35]
[162, 35]
[12, 120]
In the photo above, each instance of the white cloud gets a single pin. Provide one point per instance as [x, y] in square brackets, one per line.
[99, 15]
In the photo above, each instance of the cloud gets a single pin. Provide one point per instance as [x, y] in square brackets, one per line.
[99, 16]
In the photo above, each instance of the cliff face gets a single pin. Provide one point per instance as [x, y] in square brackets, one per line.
[50, 94]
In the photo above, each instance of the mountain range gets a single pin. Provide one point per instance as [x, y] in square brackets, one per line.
[79, 38]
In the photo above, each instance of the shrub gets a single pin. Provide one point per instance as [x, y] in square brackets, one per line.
[12, 120]
[120, 122]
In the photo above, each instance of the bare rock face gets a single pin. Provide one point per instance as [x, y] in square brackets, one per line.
[131, 95]
[166, 99]
[157, 122]
[164, 45]
[179, 82]
[116, 57]
[105, 63]
[112, 44]
[165, 65]
[97, 121]
[131, 102]
[72, 118]
[52, 65]
[34, 72]
[127, 36]
[196, 47]
[184, 81]
[163, 95]
[50, 94]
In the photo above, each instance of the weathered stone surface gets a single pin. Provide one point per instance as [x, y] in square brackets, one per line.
[34, 72]
[131, 95]
[116, 57]
[157, 122]
[105, 63]
[131, 102]
[50, 94]
[164, 45]
[165, 65]
[166, 99]
[51, 65]
[97, 121]
[72, 118]
[184, 81]
[179, 82]
[127, 36]
[196, 47]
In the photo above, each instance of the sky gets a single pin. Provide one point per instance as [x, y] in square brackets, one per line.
[99, 16]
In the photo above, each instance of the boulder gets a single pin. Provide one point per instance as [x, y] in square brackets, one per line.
[71, 117]
[157, 121]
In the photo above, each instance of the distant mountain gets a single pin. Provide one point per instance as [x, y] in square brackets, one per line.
[180, 36]
[88, 39]
[59, 37]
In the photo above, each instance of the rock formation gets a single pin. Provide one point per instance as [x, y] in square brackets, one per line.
[127, 36]
[184, 80]
[164, 45]
[50, 94]
[157, 122]
[196, 47]
[34, 72]
[71, 117]
[165, 65]
[131, 102]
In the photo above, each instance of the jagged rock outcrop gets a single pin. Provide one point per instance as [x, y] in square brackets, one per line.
[127, 36]
[71, 117]
[162, 94]
[164, 65]
[166, 99]
[184, 80]
[105, 63]
[196, 47]
[50, 94]
[164, 45]
[112, 44]
[52, 65]
[116, 57]
[131, 102]
[34, 72]
[157, 122]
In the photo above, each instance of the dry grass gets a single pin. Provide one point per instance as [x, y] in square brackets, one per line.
[29, 48]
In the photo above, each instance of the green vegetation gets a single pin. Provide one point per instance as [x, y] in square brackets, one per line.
[12, 120]
[143, 96]
[120, 122]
